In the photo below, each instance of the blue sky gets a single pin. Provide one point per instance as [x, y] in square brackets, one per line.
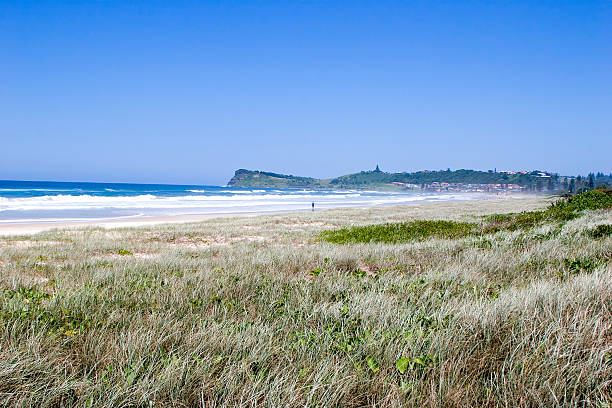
[187, 92]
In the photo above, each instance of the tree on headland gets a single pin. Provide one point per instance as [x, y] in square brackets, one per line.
[591, 181]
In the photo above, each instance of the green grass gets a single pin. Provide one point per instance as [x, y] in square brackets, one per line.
[399, 232]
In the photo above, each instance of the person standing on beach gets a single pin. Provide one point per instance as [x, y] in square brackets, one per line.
[312, 207]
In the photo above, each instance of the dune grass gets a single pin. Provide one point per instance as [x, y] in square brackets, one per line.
[259, 311]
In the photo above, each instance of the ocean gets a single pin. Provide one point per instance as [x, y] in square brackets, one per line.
[45, 201]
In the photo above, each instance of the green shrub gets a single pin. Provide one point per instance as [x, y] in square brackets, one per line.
[513, 222]
[561, 211]
[601, 231]
[316, 272]
[28, 295]
[589, 200]
[578, 265]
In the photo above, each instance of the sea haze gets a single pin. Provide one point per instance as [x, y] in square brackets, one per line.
[44, 201]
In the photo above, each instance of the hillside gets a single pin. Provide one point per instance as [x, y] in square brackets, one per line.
[264, 179]
[377, 179]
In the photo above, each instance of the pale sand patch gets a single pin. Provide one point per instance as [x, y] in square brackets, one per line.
[370, 271]
[184, 242]
[252, 238]
[27, 244]
[137, 255]
[302, 244]
[191, 245]
[113, 235]
[37, 280]
[300, 225]
[144, 255]
[247, 238]
[217, 240]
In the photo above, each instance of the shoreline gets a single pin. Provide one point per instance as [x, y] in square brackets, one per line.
[34, 227]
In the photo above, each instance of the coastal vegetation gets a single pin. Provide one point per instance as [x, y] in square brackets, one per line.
[489, 303]
[558, 212]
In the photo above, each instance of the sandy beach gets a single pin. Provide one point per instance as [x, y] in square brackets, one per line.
[35, 227]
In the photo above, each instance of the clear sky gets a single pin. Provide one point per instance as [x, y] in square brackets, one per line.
[187, 92]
